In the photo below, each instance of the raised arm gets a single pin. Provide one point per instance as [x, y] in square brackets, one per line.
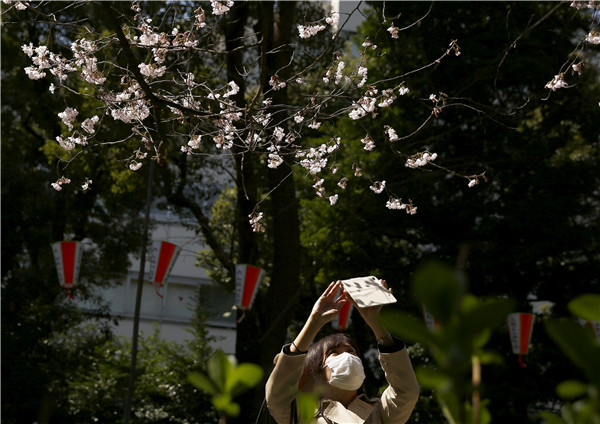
[371, 317]
[282, 385]
[399, 399]
[325, 309]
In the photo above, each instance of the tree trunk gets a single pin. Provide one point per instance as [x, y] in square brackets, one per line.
[285, 276]
[252, 344]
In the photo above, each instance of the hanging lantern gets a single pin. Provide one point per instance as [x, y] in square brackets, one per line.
[67, 256]
[342, 321]
[431, 323]
[162, 259]
[520, 328]
[247, 281]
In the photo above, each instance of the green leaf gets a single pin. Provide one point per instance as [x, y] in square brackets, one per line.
[486, 358]
[571, 389]
[224, 404]
[468, 303]
[431, 378]
[481, 339]
[578, 344]
[202, 382]
[484, 414]
[232, 409]
[437, 286]
[485, 316]
[406, 326]
[450, 405]
[244, 377]
[586, 306]
[485, 417]
[219, 369]
[307, 404]
[550, 418]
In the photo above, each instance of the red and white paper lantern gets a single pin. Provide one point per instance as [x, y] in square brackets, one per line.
[343, 320]
[520, 328]
[67, 255]
[247, 281]
[162, 259]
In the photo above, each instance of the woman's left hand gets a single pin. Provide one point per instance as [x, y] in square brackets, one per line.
[371, 314]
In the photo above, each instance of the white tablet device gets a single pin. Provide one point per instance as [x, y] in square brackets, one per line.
[368, 291]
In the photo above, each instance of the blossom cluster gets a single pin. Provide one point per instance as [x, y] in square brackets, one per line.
[68, 116]
[333, 19]
[88, 124]
[277, 83]
[307, 31]
[135, 165]
[593, 37]
[371, 100]
[19, 5]
[70, 142]
[43, 59]
[194, 143]
[397, 204]
[391, 133]
[420, 159]
[274, 159]
[129, 105]
[85, 61]
[378, 186]
[584, 4]
[315, 159]
[388, 98]
[362, 72]
[84, 55]
[152, 70]
[221, 7]
[86, 185]
[363, 106]
[58, 184]
[255, 218]
[368, 142]
[200, 16]
[556, 83]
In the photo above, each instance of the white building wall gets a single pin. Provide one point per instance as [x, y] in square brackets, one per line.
[187, 284]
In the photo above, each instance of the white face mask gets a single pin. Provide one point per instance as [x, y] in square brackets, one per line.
[347, 371]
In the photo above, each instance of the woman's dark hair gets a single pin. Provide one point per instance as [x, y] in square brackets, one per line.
[313, 366]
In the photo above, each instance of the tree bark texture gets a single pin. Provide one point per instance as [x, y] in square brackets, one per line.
[252, 344]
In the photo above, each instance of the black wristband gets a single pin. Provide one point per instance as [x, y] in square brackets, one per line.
[396, 347]
[287, 351]
[298, 349]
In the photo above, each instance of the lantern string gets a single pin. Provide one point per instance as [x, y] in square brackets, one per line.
[70, 295]
[521, 361]
[240, 319]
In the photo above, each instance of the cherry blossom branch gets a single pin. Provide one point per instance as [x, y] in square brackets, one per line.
[170, 96]
[133, 68]
[523, 33]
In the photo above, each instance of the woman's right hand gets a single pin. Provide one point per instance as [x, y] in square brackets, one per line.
[326, 308]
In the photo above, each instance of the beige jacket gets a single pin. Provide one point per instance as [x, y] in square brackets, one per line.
[394, 406]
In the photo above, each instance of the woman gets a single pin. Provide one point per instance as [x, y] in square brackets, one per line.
[332, 369]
